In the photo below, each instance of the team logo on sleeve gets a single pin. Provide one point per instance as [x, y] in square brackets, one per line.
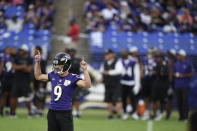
[67, 82]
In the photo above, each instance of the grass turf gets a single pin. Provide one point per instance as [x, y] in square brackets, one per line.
[91, 120]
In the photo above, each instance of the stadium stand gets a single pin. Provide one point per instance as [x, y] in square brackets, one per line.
[30, 34]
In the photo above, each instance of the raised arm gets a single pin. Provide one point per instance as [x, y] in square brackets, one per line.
[37, 71]
[86, 83]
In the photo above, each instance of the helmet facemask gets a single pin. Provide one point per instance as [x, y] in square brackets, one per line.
[61, 66]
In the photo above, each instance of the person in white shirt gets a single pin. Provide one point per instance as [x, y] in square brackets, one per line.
[108, 12]
[14, 24]
[145, 17]
[111, 70]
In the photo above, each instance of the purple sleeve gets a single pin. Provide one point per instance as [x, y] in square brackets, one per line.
[76, 78]
[49, 76]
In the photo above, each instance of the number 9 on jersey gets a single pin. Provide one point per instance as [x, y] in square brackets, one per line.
[57, 92]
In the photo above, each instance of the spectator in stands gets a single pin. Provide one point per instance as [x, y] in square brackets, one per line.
[192, 122]
[74, 30]
[171, 21]
[109, 12]
[30, 16]
[126, 26]
[100, 25]
[146, 19]
[28, 2]
[40, 87]
[14, 24]
[157, 20]
[2, 19]
[111, 70]
[183, 71]
[17, 2]
[92, 16]
[23, 66]
[124, 10]
[146, 15]
[185, 20]
[45, 17]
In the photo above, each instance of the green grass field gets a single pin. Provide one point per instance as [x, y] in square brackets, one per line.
[91, 120]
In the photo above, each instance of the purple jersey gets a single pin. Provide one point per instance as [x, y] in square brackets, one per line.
[148, 66]
[182, 68]
[8, 71]
[62, 91]
[127, 76]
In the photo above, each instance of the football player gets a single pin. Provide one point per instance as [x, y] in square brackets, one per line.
[130, 83]
[8, 74]
[63, 87]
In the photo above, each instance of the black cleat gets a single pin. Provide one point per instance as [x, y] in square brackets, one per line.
[110, 117]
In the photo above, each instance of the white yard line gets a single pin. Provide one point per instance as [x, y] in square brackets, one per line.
[149, 126]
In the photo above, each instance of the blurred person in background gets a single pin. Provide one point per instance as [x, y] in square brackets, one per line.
[2, 19]
[130, 83]
[192, 121]
[75, 69]
[147, 80]
[109, 11]
[74, 30]
[1, 70]
[183, 72]
[171, 22]
[100, 25]
[14, 24]
[30, 16]
[159, 87]
[7, 79]
[40, 87]
[23, 66]
[185, 20]
[133, 53]
[111, 70]
[45, 17]
[171, 54]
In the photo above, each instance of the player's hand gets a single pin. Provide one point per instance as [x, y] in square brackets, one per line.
[136, 90]
[178, 75]
[37, 56]
[106, 73]
[83, 64]
[181, 76]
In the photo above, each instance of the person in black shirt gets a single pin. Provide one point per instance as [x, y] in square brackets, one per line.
[75, 69]
[23, 66]
[2, 61]
[192, 122]
[160, 85]
[111, 70]
[170, 91]
[40, 87]
[7, 78]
